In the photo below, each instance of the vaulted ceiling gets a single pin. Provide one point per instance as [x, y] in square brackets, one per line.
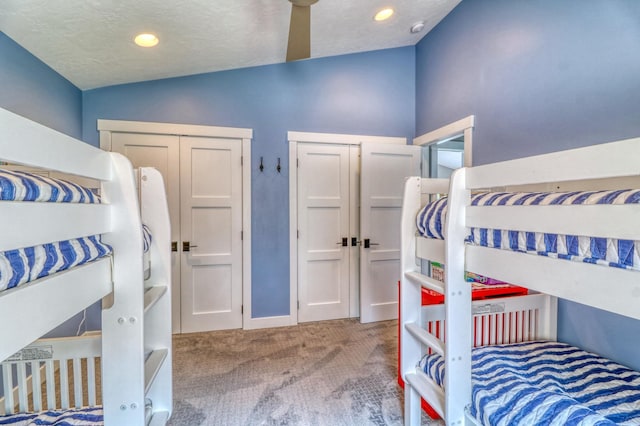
[90, 42]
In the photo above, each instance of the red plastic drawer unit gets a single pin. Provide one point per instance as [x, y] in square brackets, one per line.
[480, 291]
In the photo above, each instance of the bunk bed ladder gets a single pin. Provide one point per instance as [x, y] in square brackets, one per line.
[419, 385]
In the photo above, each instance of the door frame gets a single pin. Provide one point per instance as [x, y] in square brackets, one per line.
[319, 138]
[244, 136]
[462, 127]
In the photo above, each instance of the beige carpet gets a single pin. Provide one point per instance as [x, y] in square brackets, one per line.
[326, 373]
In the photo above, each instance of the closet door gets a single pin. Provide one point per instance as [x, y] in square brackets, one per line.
[211, 230]
[323, 221]
[161, 152]
[384, 168]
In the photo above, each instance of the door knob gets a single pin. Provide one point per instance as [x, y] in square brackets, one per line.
[344, 242]
[174, 246]
[368, 243]
[187, 246]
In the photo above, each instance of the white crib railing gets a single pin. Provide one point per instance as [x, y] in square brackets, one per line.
[52, 374]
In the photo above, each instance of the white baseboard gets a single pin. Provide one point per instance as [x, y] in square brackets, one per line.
[269, 322]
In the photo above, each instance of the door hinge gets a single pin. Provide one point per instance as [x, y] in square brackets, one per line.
[298, 162]
[298, 305]
[298, 233]
[241, 235]
[242, 309]
[241, 160]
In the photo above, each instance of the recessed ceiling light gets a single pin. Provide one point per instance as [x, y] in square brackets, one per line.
[383, 14]
[146, 40]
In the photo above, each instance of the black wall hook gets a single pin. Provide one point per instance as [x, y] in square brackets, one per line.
[261, 165]
[278, 168]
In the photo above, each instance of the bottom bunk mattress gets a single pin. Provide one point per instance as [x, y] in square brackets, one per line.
[91, 416]
[546, 383]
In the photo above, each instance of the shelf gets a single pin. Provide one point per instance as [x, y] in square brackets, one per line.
[159, 418]
[152, 296]
[425, 281]
[428, 389]
[152, 365]
[425, 337]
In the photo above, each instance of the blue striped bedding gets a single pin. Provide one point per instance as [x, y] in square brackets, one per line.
[21, 265]
[544, 383]
[21, 186]
[91, 416]
[610, 252]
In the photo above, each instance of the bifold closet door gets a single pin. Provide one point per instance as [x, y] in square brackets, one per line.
[211, 230]
[161, 152]
[384, 169]
[324, 241]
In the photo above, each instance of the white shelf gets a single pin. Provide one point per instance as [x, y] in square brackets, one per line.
[428, 389]
[152, 365]
[425, 281]
[152, 296]
[425, 337]
[159, 418]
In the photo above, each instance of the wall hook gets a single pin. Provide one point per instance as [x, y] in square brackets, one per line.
[278, 168]
[261, 165]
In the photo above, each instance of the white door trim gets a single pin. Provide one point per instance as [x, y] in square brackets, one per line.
[244, 136]
[303, 137]
[463, 126]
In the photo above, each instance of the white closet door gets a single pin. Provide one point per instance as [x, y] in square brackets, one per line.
[211, 229]
[161, 152]
[384, 168]
[323, 221]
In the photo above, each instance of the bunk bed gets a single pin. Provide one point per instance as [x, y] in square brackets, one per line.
[58, 376]
[536, 244]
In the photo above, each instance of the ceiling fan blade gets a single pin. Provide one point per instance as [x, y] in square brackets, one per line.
[299, 46]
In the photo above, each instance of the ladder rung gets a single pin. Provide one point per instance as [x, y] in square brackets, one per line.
[152, 296]
[428, 389]
[425, 337]
[425, 281]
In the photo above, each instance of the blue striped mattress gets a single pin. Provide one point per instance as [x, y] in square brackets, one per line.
[21, 265]
[91, 416]
[610, 252]
[544, 383]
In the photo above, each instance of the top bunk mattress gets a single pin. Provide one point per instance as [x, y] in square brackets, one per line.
[24, 264]
[431, 220]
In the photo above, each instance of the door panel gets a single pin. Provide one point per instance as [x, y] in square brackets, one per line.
[323, 218]
[211, 210]
[161, 152]
[384, 168]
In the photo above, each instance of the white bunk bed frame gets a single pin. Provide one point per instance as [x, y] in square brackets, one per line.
[135, 343]
[582, 168]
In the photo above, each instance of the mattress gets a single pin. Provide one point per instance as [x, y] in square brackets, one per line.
[91, 416]
[545, 383]
[146, 255]
[25, 264]
[610, 252]
[21, 186]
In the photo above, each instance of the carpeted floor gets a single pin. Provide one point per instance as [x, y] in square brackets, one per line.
[325, 373]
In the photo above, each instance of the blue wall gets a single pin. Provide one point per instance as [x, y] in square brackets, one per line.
[30, 88]
[539, 76]
[367, 93]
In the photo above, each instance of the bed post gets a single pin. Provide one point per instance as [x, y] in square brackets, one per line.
[123, 323]
[410, 295]
[458, 319]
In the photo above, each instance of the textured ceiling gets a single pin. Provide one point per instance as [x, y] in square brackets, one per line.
[90, 42]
